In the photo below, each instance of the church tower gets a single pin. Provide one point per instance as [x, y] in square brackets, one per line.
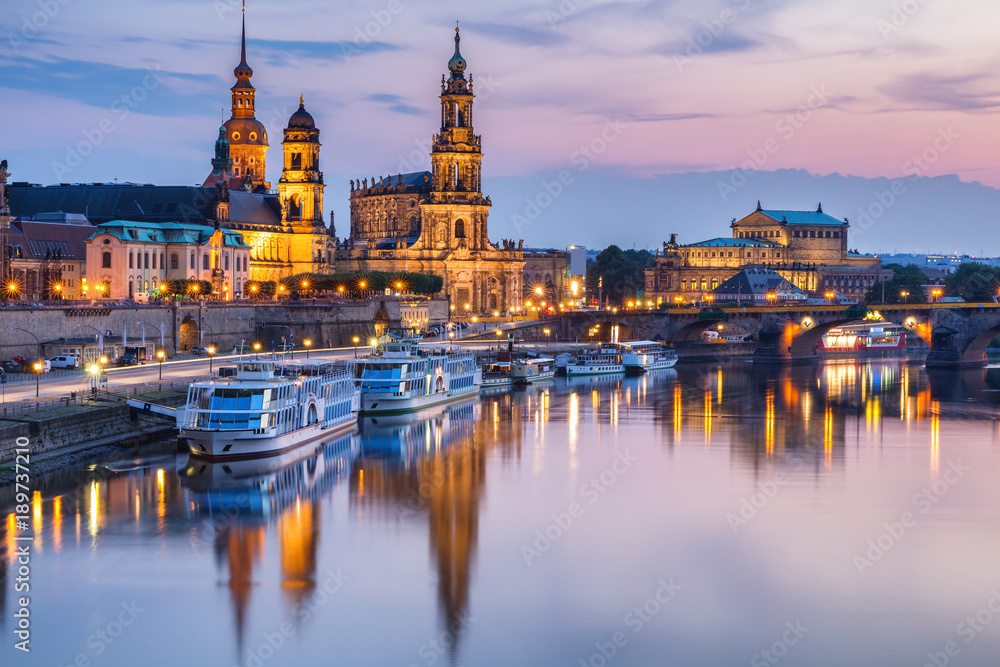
[456, 198]
[301, 191]
[247, 135]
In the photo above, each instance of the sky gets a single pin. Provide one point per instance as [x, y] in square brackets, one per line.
[611, 92]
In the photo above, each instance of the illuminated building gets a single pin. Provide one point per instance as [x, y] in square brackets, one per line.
[808, 248]
[437, 221]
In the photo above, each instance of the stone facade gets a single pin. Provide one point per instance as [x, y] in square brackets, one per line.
[808, 248]
[436, 221]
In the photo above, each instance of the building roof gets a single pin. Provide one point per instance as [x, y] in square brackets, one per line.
[726, 242]
[804, 218]
[104, 202]
[165, 232]
[757, 281]
[43, 240]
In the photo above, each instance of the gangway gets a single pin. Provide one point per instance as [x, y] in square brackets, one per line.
[156, 410]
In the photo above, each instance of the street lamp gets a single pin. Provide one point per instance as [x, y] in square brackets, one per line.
[936, 293]
[38, 373]
[256, 348]
[210, 351]
[308, 343]
[159, 355]
[829, 297]
[37, 342]
[904, 294]
[771, 296]
[356, 341]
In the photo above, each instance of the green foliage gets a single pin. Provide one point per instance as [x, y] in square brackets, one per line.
[413, 283]
[974, 282]
[185, 286]
[907, 278]
[622, 272]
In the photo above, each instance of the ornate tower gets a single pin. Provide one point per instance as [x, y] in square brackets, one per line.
[5, 219]
[247, 135]
[301, 191]
[222, 163]
[456, 197]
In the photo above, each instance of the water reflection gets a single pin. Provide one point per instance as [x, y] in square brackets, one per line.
[430, 470]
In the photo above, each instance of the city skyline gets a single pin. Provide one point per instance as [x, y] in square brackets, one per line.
[662, 89]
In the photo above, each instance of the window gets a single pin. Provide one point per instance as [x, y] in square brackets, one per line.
[163, 263]
[106, 260]
[460, 229]
[192, 259]
[296, 161]
[130, 260]
[245, 264]
[173, 261]
[204, 261]
[154, 260]
[227, 263]
[836, 235]
[812, 234]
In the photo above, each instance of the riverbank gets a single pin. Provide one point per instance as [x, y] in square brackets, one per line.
[62, 435]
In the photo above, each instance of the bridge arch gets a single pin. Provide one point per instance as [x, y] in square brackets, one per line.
[188, 333]
[975, 352]
[601, 330]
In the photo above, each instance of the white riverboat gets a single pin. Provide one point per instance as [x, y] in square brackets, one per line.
[497, 374]
[640, 356]
[532, 369]
[267, 408]
[400, 376]
[601, 360]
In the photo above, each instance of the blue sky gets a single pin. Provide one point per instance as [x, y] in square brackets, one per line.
[852, 87]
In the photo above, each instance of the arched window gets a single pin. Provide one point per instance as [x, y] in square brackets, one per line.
[460, 229]
[106, 260]
[163, 263]
[244, 264]
[154, 260]
[130, 260]
[192, 259]
[204, 262]
[174, 259]
[226, 267]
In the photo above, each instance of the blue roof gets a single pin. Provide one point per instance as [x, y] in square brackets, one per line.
[166, 232]
[725, 242]
[804, 218]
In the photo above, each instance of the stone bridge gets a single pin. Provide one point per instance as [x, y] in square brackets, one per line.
[957, 334]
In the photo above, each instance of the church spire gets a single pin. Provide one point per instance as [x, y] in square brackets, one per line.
[457, 63]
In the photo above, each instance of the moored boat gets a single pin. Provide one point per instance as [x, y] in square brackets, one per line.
[400, 376]
[267, 408]
[641, 356]
[533, 369]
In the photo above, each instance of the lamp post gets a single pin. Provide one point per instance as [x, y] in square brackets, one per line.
[37, 342]
[829, 298]
[100, 337]
[904, 294]
[936, 293]
[771, 296]
[38, 373]
[159, 355]
[211, 352]
[356, 341]
[308, 343]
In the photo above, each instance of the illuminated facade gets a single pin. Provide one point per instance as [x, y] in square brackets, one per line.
[247, 135]
[436, 221]
[807, 248]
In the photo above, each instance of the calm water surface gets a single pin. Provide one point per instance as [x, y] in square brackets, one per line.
[841, 515]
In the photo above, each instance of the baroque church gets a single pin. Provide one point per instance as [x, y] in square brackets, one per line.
[437, 221]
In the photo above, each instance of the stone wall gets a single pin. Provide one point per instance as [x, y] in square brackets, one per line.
[187, 324]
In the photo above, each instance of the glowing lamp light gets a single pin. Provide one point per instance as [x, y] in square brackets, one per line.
[159, 354]
[104, 360]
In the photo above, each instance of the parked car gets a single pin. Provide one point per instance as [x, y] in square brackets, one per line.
[30, 366]
[64, 361]
[128, 359]
[199, 350]
[13, 366]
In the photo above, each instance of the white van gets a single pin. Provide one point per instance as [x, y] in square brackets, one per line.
[64, 361]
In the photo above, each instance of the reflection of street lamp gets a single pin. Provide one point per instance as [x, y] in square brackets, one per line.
[210, 351]
[356, 341]
[159, 355]
[308, 343]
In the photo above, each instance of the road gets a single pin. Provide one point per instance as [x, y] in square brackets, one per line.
[187, 369]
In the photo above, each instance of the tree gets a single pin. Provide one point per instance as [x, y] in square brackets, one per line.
[909, 279]
[974, 282]
[622, 272]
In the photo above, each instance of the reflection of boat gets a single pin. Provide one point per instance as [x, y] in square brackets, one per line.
[647, 355]
[267, 409]
[265, 485]
[869, 338]
[406, 437]
[596, 381]
[401, 377]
